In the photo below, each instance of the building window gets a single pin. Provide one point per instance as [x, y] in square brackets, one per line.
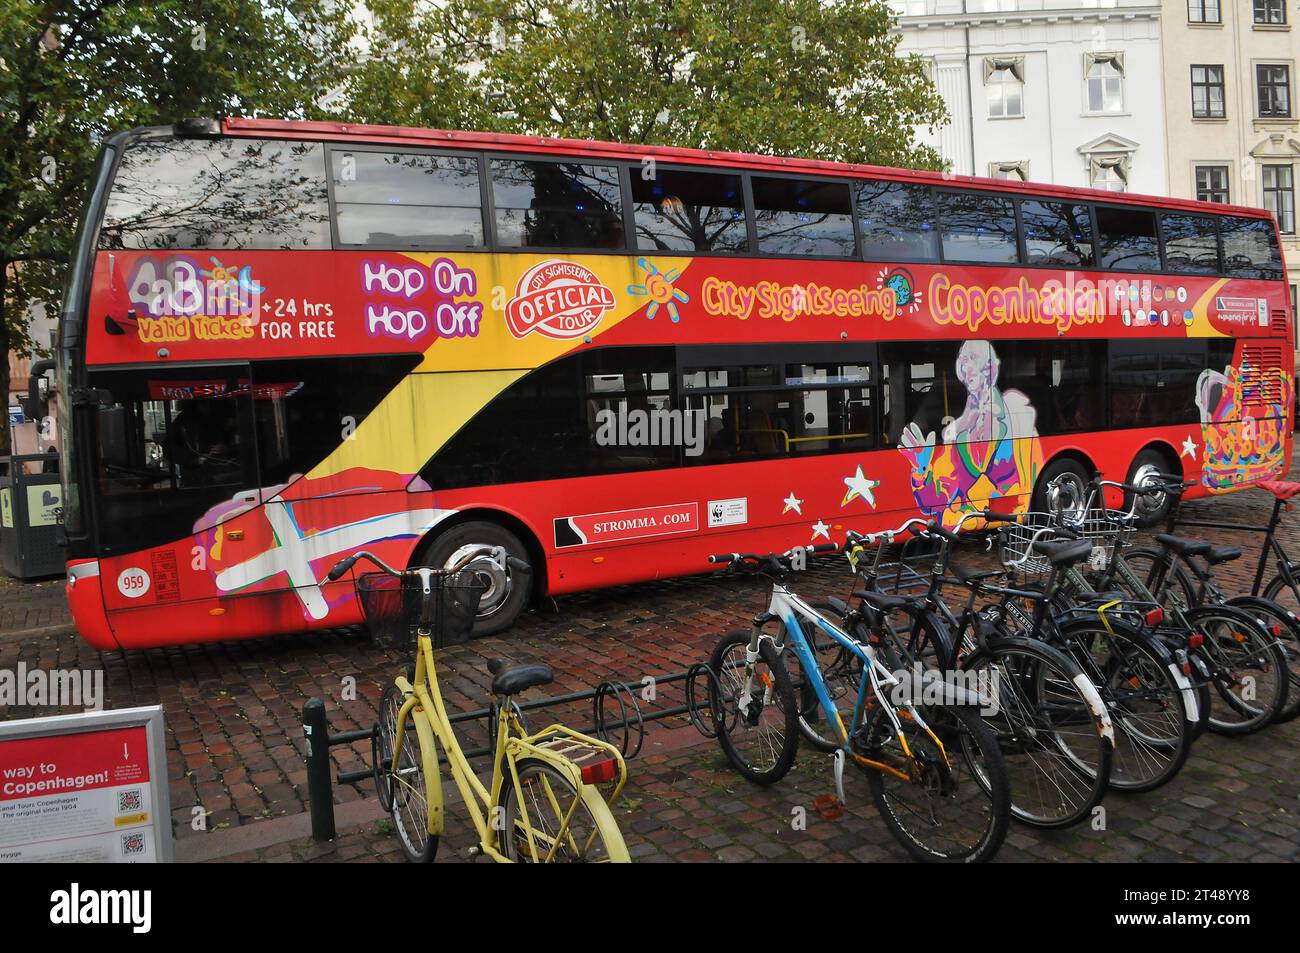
[1110, 174]
[1104, 78]
[1203, 11]
[1005, 85]
[1207, 92]
[1273, 84]
[1279, 195]
[1271, 12]
[1212, 183]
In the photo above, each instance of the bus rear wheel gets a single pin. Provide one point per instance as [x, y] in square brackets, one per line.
[507, 591]
[1151, 509]
[1070, 494]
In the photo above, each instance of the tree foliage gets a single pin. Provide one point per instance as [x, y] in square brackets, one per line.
[812, 78]
[72, 71]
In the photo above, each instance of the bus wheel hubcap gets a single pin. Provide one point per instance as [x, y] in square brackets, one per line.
[1146, 505]
[489, 573]
[1067, 497]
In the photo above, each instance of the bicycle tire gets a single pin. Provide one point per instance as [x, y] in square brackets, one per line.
[777, 692]
[1179, 583]
[1053, 728]
[410, 801]
[1150, 702]
[1280, 594]
[381, 745]
[1264, 662]
[994, 789]
[600, 828]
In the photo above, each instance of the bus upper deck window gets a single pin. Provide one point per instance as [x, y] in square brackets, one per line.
[1191, 243]
[556, 204]
[896, 221]
[218, 193]
[678, 210]
[977, 227]
[1250, 248]
[803, 217]
[1057, 234]
[1127, 238]
[407, 199]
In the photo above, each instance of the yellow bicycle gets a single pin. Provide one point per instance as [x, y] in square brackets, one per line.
[544, 803]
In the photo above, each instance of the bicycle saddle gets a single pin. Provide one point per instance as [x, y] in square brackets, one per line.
[1183, 546]
[1064, 552]
[513, 679]
[1222, 554]
[882, 602]
[964, 575]
[1282, 489]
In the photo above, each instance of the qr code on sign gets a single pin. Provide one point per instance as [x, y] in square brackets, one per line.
[129, 800]
[132, 844]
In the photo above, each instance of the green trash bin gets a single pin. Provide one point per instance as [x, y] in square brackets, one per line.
[31, 506]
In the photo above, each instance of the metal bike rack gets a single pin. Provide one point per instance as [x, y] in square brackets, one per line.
[629, 725]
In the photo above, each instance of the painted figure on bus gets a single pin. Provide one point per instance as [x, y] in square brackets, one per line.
[990, 451]
[1245, 415]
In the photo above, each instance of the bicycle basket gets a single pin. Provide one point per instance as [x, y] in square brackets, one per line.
[1016, 543]
[392, 607]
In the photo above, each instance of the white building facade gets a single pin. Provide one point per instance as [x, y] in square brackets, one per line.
[1046, 90]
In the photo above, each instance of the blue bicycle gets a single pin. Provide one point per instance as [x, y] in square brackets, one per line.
[933, 766]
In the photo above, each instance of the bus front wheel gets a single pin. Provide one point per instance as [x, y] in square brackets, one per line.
[507, 591]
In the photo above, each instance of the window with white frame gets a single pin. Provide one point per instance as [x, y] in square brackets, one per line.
[1109, 173]
[1204, 11]
[1273, 90]
[1104, 81]
[1004, 85]
[1212, 183]
[1207, 92]
[1279, 194]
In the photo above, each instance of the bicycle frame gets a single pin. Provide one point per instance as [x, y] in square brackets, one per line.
[789, 608]
[425, 709]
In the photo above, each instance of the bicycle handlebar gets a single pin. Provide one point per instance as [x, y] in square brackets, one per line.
[343, 565]
[728, 559]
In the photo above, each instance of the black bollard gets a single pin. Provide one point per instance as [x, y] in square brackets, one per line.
[320, 793]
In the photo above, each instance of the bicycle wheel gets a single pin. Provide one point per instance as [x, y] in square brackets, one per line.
[1179, 588]
[410, 797]
[1287, 599]
[568, 826]
[841, 671]
[1147, 698]
[760, 737]
[381, 744]
[956, 806]
[1052, 727]
[1248, 671]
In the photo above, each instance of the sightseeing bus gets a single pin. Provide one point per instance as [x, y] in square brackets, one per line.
[286, 341]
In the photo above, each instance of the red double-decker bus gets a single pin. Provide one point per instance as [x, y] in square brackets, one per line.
[286, 341]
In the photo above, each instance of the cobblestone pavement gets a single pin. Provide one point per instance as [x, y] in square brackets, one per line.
[236, 746]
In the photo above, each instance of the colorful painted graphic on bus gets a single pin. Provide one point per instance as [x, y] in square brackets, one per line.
[1245, 417]
[989, 451]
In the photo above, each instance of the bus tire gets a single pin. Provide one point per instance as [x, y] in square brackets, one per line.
[1153, 509]
[1073, 491]
[506, 594]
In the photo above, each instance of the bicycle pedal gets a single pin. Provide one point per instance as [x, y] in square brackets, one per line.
[829, 807]
[839, 773]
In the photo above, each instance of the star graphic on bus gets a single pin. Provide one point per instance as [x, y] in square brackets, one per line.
[859, 487]
[792, 503]
[659, 289]
[821, 528]
[1189, 448]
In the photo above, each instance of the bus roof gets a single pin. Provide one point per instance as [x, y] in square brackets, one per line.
[406, 135]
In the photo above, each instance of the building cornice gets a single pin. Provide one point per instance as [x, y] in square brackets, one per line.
[941, 21]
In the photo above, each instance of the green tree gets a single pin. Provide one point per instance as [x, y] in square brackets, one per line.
[72, 71]
[812, 78]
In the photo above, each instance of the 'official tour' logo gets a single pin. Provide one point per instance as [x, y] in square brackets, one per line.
[557, 299]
